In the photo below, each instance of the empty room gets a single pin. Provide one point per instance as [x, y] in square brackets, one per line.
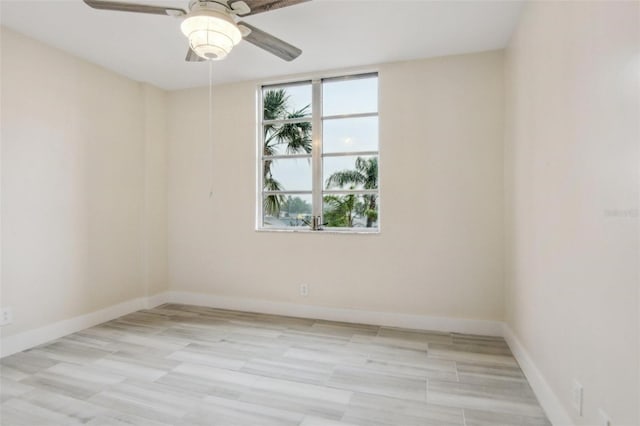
[320, 212]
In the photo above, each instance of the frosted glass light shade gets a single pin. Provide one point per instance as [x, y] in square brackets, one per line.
[211, 34]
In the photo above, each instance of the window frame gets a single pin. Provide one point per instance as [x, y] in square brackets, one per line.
[317, 155]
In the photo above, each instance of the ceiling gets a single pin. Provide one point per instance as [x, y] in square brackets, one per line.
[332, 34]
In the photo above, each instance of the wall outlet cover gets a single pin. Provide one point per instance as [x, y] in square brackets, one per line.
[6, 316]
[304, 290]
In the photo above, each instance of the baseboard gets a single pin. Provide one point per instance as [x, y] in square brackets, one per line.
[28, 339]
[157, 299]
[549, 401]
[391, 319]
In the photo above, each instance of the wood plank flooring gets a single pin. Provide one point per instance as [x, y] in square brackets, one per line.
[188, 365]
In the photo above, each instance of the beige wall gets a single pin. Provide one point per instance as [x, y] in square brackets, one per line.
[572, 154]
[440, 251]
[154, 219]
[82, 205]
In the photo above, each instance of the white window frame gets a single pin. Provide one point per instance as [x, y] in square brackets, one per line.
[317, 188]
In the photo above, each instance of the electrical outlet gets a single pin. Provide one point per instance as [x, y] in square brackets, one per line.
[577, 397]
[6, 316]
[604, 418]
[304, 290]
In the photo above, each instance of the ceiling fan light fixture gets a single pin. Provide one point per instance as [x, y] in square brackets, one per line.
[212, 34]
[211, 27]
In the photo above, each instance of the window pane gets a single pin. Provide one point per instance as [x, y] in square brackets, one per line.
[359, 95]
[350, 134]
[350, 211]
[287, 102]
[290, 210]
[350, 172]
[287, 174]
[289, 138]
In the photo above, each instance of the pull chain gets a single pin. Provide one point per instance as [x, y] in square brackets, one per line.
[211, 128]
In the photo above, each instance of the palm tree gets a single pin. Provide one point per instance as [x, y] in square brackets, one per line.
[340, 210]
[296, 138]
[364, 174]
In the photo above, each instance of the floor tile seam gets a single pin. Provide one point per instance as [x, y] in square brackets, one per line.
[426, 392]
[66, 416]
[304, 414]
[136, 399]
[502, 379]
[520, 415]
[384, 373]
[378, 332]
[90, 394]
[518, 402]
[424, 400]
[481, 362]
[85, 401]
[91, 364]
[330, 376]
[201, 401]
[485, 400]
[485, 386]
[485, 408]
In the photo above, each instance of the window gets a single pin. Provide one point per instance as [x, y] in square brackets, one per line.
[319, 155]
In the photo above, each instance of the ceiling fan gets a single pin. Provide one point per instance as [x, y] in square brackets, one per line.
[211, 26]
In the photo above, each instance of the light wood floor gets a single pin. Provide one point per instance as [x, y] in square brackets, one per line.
[187, 365]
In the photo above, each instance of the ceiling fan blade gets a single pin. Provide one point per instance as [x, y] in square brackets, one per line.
[259, 6]
[193, 56]
[270, 43]
[135, 7]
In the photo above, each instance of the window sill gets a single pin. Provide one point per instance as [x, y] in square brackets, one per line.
[324, 231]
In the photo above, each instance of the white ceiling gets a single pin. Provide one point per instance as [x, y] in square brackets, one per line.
[331, 33]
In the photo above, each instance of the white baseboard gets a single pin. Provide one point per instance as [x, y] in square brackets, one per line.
[391, 319]
[549, 401]
[28, 339]
[157, 300]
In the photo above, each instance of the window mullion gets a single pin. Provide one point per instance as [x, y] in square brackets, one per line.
[316, 125]
[260, 154]
[286, 121]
